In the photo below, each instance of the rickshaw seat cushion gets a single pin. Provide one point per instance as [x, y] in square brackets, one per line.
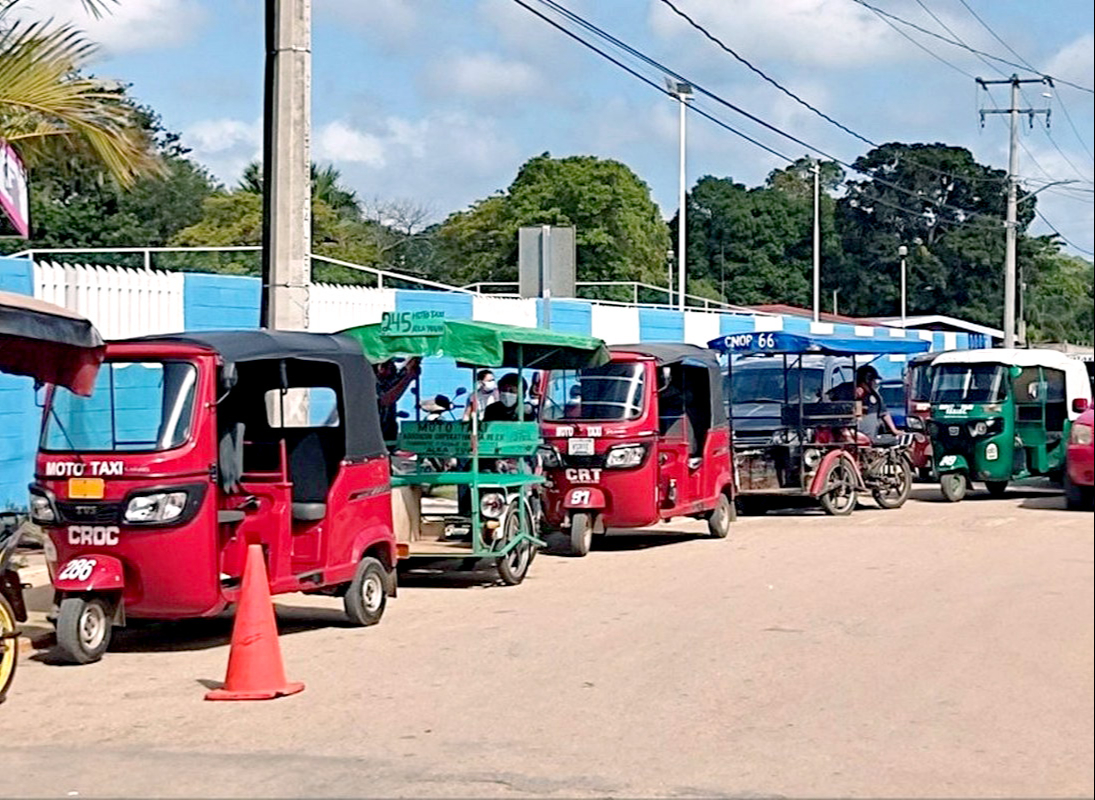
[309, 512]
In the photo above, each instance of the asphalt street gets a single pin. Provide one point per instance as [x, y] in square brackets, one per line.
[939, 650]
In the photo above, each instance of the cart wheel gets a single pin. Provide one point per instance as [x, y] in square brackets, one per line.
[897, 475]
[953, 485]
[1077, 498]
[9, 647]
[718, 524]
[581, 533]
[367, 596]
[838, 498]
[996, 488]
[513, 566]
[83, 629]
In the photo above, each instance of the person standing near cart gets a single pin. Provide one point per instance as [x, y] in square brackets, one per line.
[391, 383]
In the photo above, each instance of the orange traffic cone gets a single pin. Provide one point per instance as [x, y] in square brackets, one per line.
[255, 671]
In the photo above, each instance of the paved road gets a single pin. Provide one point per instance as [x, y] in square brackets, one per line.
[940, 650]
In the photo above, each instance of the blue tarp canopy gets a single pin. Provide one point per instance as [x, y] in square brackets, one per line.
[780, 343]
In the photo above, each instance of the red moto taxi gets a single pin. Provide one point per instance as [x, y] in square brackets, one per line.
[1079, 467]
[190, 448]
[641, 439]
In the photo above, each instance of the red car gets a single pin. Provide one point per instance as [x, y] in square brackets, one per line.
[1079, 472]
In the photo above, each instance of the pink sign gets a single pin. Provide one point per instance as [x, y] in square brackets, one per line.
[13, 189]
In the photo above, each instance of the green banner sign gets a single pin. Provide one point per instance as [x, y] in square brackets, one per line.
[447, 438]
[412, 323]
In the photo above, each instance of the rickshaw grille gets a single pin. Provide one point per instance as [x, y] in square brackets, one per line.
[90, 512]
[583, 461]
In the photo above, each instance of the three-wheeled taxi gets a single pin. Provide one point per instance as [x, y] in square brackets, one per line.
[192, 447]
[1002, 415]
[918, 388]
[817, 450]
[636, 441]
[496, 473]
[51, 345]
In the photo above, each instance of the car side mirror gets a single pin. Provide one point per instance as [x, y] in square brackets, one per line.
[228, 377]
[461, 390]
[1080, 405]
[915, 424]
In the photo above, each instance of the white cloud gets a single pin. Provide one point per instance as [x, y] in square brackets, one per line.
[1075, 61]
[834, 33]
[224, 146]
[483, 76]
[338, 142]
[128, 26]
[388, 19]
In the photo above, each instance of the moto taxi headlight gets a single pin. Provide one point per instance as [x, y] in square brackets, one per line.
[41, 509]
[623, 456]
[492, 505]
[1081, 434]
[156, 507]
[979, 428]
[549, 456]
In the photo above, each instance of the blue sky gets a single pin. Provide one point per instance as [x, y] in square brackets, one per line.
[437, 103]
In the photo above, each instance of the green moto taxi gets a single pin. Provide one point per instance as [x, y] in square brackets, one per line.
[1002, 415]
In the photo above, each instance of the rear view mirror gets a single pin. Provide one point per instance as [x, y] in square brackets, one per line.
[228, 377]
[1015, 371]
[459, 392]
[403, 414]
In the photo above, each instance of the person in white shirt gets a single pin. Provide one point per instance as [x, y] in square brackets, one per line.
[486, 392]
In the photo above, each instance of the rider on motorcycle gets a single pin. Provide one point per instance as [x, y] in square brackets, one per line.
[875, 422]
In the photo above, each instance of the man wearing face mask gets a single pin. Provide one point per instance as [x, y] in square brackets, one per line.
[486, 394]
[505, 410]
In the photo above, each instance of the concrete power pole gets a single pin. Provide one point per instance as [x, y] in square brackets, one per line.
[287, 179]
[1011, 229]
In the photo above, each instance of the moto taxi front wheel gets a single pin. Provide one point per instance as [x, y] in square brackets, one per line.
[953, 485]
[9, 647]
[83, 629]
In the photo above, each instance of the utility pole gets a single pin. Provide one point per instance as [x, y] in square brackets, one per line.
[817, 241]
[287, 179]
[1011, 225]
[683, 92]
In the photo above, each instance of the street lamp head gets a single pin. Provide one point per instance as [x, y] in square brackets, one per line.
[679, 89]
[902, 251]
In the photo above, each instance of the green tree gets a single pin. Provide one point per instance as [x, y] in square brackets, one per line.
[619, 232]
[1059, 303]
[326, 186]
[947, 210]
[756, 245]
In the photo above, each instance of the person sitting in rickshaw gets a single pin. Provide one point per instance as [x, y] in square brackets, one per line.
[875, 421]
[505, 410]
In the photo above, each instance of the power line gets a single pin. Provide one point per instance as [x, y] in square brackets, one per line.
[885, 18]
[718, 99]
[649, 82]
[1062, 237]
[949, 30]
[964, 46]
[722, 45]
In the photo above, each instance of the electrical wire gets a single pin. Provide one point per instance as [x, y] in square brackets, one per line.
[718, 99]
[1062, 237]
[964, 46]
[723, 46]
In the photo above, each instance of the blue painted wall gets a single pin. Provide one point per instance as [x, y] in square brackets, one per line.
[660, 325]
[567, 316]
[19, 415]
[221, 302]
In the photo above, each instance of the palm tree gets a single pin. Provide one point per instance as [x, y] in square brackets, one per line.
[326, 186]
[47, 105]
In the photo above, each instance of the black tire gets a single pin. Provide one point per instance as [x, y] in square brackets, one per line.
[367, 596]
[924, 474]
[83, 629]
[953, 485]
[1078, 498]
[513, 566]
[838, 498]
[996, 488]
[9, 647]
[718, 524]
[900, 478]
[581, 533]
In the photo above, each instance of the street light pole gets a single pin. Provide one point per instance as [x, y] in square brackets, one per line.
[817, 242]
[683, 92]
[903, 251]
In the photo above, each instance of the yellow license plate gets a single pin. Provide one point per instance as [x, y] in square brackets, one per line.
[85, 488]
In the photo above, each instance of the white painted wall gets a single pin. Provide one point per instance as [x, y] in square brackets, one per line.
[505, 310]
[335, 307]
[700, 327]
[615, 324]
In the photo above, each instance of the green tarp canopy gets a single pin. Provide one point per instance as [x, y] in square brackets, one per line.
[485, 344]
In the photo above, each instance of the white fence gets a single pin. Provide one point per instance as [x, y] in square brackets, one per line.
[334, 307]
[120, 302]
